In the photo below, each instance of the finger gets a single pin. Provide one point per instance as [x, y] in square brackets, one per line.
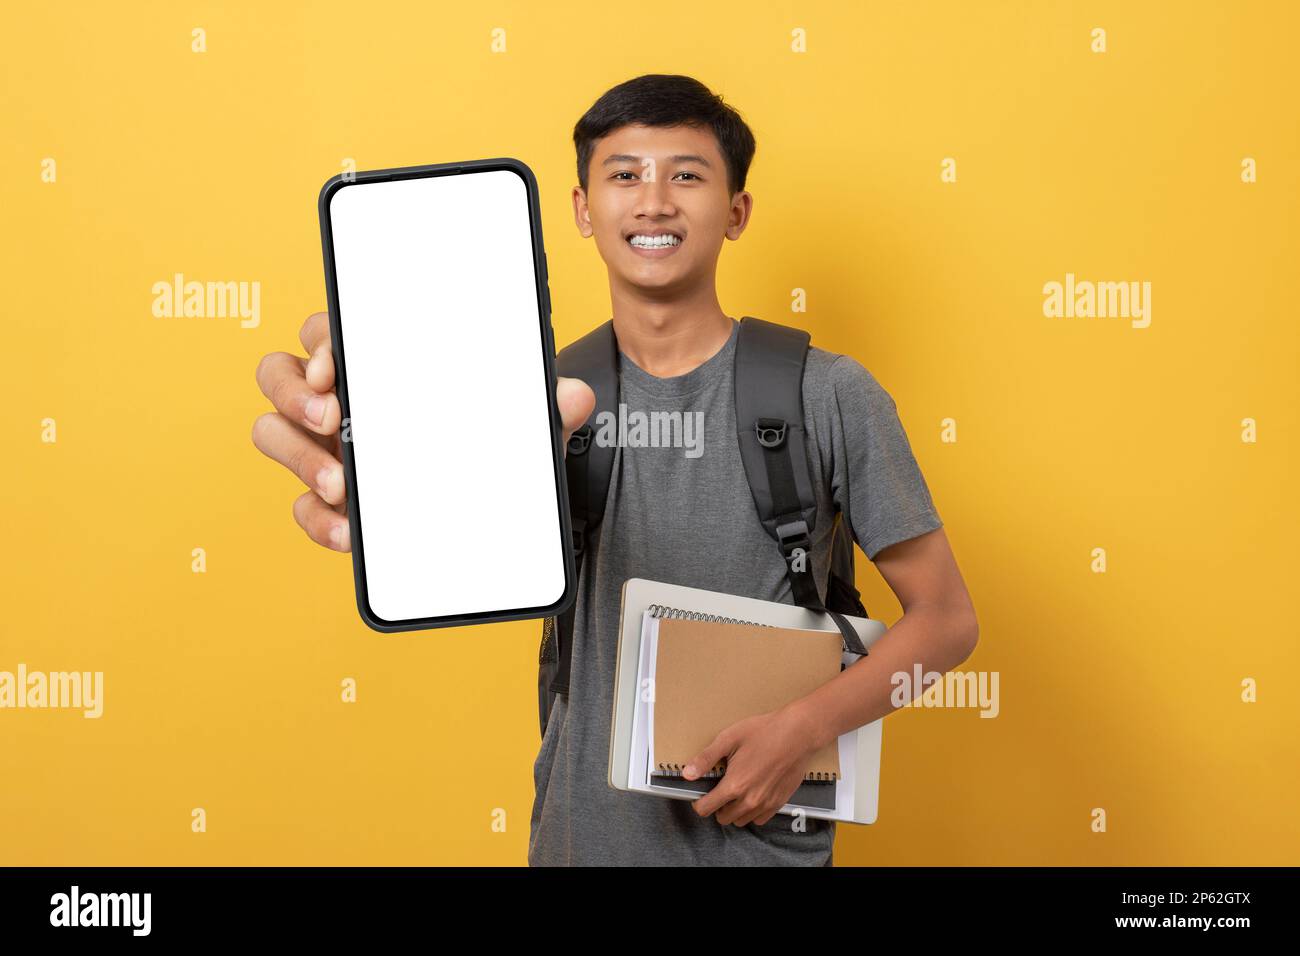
[705, 760]
[320, 369]
[322, 523]
[763, 818]
[576, 402]
[722, 794]
[281, 440]
[281, 378]
[315, 332]
[734, 811]
[744, 817]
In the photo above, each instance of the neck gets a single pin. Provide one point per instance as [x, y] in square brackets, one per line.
[668, 339]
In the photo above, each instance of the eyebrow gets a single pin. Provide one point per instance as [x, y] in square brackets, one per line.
[629, 158]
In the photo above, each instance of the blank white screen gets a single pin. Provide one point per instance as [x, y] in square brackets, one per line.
[442, 347]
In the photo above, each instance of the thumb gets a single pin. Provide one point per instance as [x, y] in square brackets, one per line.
[704, 761]
[576, 402]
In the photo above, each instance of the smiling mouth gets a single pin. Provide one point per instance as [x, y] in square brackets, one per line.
[664, 241]
[654, 247]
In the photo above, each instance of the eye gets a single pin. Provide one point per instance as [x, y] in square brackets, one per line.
[623, 172]
[685, 173]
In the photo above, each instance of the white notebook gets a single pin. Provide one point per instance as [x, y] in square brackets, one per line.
[853, 797]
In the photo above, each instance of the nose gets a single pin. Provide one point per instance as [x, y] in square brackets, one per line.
[654, 199]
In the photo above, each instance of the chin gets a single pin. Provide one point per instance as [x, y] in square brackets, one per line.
[652, 280]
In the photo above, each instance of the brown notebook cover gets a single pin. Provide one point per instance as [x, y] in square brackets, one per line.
[710, 675]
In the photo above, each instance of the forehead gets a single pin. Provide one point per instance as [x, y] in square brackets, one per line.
[658, 143]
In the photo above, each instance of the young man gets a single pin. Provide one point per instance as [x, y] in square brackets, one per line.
[661, 155]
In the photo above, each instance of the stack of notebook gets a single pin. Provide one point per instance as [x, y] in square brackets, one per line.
[692, 662]
[708, 674]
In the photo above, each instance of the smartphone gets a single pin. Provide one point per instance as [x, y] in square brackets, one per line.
[444, 361]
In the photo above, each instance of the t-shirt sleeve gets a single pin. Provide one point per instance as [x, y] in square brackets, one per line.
[876, 481]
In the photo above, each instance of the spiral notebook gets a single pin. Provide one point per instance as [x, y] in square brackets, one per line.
[712, 671]
[850, 786]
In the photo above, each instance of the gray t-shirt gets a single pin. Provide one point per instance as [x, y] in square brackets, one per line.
[690, 519]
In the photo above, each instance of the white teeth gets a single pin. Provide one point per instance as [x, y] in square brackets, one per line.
[654, 242]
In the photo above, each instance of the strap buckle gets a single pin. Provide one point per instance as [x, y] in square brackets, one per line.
[792, 535]
[579, 535]
[770, 432]
[580, 440]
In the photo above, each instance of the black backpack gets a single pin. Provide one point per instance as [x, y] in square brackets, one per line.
[768, 373]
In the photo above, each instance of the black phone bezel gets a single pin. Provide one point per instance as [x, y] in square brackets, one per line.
[346, 180]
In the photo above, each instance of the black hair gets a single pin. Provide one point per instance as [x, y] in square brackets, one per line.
[661, 99]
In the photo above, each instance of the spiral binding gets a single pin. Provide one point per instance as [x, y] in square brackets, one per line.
[664, 612]
[678, 768]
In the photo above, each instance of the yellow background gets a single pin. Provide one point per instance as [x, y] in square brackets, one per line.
[1119, 691]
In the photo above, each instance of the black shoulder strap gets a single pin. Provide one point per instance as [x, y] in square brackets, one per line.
[587, 464]
[769, 415]
[768, 378]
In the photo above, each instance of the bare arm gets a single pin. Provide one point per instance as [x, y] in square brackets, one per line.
[768, 754]
[938, 630]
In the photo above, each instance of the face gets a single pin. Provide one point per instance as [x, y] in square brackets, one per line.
[659, 205]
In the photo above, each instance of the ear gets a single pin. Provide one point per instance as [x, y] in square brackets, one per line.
[742, 207]
[581, 212]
